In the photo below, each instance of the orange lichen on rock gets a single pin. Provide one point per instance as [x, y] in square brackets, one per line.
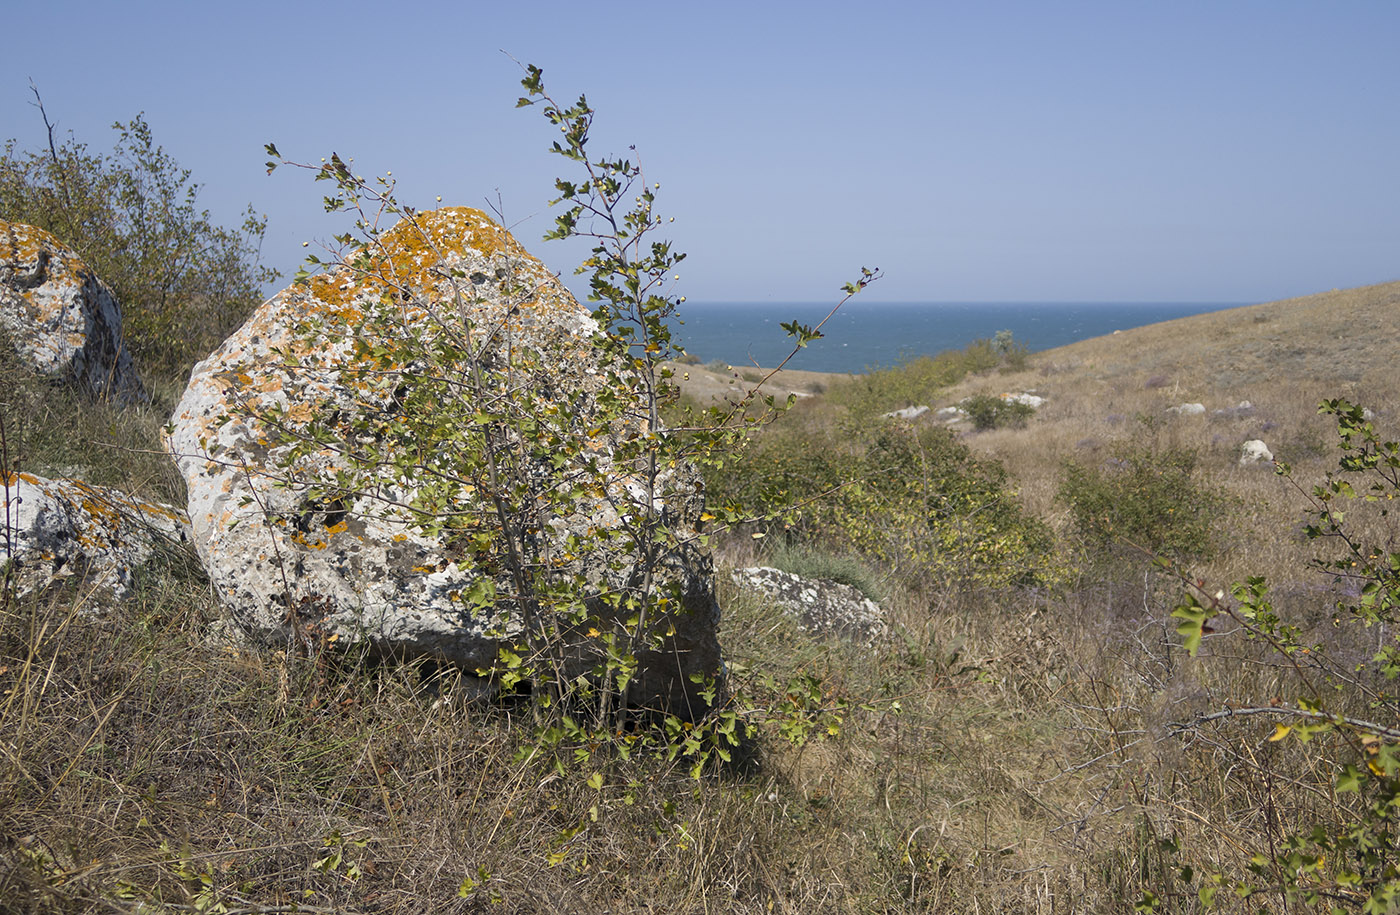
[61, 319]
[417, 255]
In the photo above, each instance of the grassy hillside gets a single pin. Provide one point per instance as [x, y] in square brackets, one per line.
[1030, 740]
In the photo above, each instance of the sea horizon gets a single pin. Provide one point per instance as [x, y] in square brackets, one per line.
[865, 335]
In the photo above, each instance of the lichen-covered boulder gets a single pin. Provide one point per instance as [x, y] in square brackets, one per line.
[60, 318]
[819, 606]
[362, 568]
[68, 530]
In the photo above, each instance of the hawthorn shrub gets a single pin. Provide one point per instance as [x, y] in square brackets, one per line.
[910, 498]
[1146, 498]
[987, 411]
[464, 420]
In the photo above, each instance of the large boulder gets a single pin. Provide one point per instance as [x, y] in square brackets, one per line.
[60, 318]
[68, 530]
[289, 564]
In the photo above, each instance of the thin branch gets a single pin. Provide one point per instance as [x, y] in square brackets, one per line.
[1290, 711]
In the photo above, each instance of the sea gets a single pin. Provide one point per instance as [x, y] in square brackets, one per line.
[863, 336]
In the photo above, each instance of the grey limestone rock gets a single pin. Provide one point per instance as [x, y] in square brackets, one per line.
[63, 321]
[58, 530]
[282, 564]
[819, 606]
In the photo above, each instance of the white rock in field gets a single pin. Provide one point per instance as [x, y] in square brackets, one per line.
[70, 530]
[906, 414]
[353, 568]
[1255, 451]
[818, 605]
[950, 414]
[1030, 400]
[1188, 409]
[61, 319]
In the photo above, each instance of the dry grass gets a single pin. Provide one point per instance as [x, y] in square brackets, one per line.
[1007, 751]
[1282, 357]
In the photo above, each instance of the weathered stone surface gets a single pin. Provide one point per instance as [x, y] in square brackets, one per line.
[907, 414]
[61, 319]
[1188, 409]
[1035, 401]
[284, 565]
[1255, 451]
[819, 606]
[949, 415]
[67, 529]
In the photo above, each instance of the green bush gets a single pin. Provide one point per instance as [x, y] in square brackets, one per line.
[1146, 498]
[1013, 354]
[184, 282]
[988, 411]
[913, 500]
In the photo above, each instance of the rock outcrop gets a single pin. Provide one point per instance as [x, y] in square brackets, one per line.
[819, 606]
[62, 320]
[360, 569]
[59, 530]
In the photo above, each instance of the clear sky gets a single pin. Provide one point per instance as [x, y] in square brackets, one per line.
[977, 151]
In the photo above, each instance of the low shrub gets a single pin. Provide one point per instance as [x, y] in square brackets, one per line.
[988, 411]
[1331, 702]
[913, 500]
[1147, 498]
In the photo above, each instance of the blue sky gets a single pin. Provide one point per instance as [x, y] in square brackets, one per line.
[992, 151]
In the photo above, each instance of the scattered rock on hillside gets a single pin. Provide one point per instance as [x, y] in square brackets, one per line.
[1255, 451]
[907, 414]
[950, 415]
[356, 570]
[61, 319]
[1188, 409]
[1241, 409]
[819, 606]
[67, 529]
[1034, 401]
